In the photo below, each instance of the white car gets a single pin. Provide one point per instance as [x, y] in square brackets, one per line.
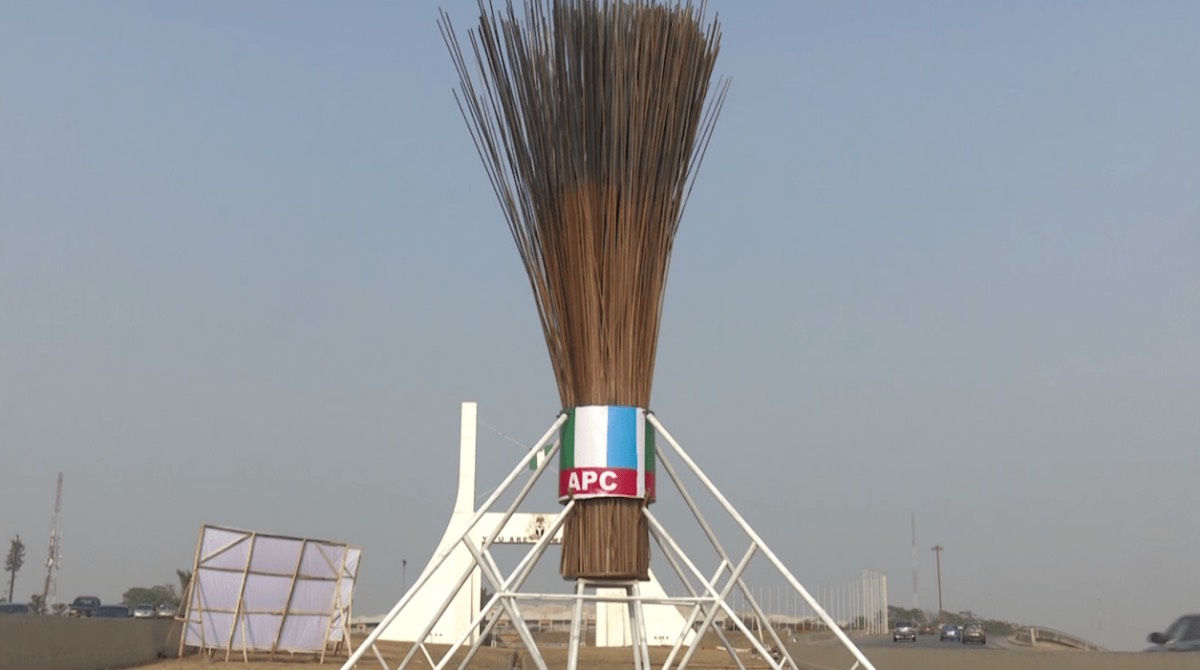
[904, 630]
[1183, 635]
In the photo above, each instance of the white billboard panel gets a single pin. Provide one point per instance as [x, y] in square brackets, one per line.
[260, 592]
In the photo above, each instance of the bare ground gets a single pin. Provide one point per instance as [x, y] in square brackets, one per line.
[810, 654]
[709, 657]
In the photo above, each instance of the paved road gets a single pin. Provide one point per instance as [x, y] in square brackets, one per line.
[927, 653]
[928, 642]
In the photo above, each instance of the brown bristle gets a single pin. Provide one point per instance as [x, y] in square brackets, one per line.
[590, 118]
[591, 551]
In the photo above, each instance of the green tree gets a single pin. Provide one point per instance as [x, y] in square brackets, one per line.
[16, 558]
[154, 595]
[903, 614]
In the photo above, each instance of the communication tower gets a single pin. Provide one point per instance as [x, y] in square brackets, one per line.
[50, 589]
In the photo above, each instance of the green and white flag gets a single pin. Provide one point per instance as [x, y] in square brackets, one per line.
[607, 451]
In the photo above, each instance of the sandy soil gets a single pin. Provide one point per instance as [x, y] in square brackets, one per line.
[487, 659]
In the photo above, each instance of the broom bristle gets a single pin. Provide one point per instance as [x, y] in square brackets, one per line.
[591, 551]
[590, 119]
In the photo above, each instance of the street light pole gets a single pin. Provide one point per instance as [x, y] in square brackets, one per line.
[937, 551]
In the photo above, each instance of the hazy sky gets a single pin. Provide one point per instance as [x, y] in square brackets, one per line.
[941, 258]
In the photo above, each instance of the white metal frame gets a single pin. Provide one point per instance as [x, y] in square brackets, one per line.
[706, 596]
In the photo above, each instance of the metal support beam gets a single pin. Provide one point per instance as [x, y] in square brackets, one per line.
[706, 596]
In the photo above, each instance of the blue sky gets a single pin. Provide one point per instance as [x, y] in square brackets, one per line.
[941, 258]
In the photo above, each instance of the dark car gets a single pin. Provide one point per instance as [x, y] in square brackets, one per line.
[1183, 635]
[83, 606]
[950, 632]
[974, 632]
[904, 630]
[15, 608]
[111, 612]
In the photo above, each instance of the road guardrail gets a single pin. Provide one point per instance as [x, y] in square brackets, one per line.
[1033, 635]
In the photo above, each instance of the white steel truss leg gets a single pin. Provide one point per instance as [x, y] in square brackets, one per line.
[636, 629]
[508, 590]
[720, 598]
[637, 623]
[706, 596]
[697, 610]
[759, 613]
[438, 560]
[795, 584]
[577, 626]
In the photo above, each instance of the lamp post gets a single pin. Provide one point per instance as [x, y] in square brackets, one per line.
[937, 551]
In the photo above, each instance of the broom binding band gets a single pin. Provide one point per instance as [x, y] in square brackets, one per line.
[607, 452]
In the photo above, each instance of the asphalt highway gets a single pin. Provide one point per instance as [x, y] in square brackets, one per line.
[928, 653]
[928, 642]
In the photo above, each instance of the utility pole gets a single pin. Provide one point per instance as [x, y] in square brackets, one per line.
[937, 551]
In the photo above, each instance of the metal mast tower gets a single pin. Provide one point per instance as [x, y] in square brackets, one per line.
[916, 604]
[50, 589]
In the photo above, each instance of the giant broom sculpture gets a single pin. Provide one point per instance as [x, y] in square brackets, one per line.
[591, 118]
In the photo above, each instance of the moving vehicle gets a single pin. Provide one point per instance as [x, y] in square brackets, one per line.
[111, 612]
[144, 611]
[1183, 635]
[950, 632]
[166, 610]
[15, 608]
[83, 606]
[904, 630]
[973, 632]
